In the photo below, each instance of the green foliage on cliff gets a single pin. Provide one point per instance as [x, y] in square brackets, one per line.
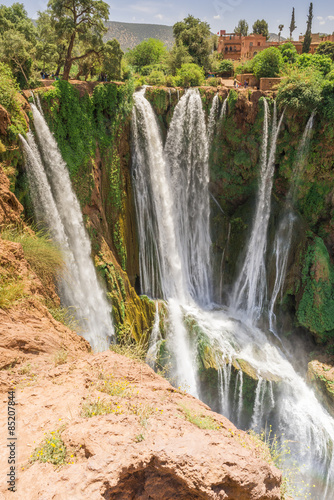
[9, 100]
[84, 125]
[316, 308]
[268, 63]
[190, 75]
[300, 90]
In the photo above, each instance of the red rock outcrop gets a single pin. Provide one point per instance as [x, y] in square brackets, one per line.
[145, 448]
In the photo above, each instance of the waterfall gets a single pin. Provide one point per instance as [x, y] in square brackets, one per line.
[238, 398]
[173, 241]
[224, 380]
[58, 208]
[250, 287]
[161, 265]
[186, 153]
[283, 235]
[213, 117]
[155, 338]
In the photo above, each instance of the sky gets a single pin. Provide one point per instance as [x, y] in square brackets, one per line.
[220, 14]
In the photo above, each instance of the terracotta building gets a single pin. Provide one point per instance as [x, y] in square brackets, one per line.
[243, 48]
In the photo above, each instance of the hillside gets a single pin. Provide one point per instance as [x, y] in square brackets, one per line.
[130, 34]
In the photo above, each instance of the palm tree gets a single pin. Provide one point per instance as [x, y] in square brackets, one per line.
[280, 28]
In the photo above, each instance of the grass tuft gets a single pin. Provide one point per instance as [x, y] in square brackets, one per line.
[44, 257]
[200, 420]
[52, 450]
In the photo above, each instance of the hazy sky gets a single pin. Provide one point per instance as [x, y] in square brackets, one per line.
[220, 14]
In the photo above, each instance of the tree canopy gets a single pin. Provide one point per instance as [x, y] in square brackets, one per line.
[242, 27]
[79, 20]
[195, 35]
[260, 27]
[326, 49]
[146, 53]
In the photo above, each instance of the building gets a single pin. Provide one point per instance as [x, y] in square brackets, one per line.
[243, 48]
[229, 44]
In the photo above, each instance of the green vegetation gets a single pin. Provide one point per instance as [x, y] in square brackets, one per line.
[241, 28]
[52, 450]
[11, 291]
[195, 35]
[326, 49]
[9, 100]
[41, 253]
[268, 63]
[316, 307]
[190, 75]
[260, 27]
[147, 53]
[226, 67]
[201, 420]
[308, 34]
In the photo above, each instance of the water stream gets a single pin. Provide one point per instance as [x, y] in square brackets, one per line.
[171, 187]
[58, 209]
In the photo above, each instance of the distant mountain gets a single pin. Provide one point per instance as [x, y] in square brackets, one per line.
[130, 34]
[275, 38]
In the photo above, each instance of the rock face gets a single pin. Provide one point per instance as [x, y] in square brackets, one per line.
[10, 207]
[145, 448]
[4, 120]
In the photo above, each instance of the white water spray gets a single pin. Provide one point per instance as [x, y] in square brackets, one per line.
[57, 207]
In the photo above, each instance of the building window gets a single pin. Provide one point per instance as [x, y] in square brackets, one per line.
[226, 49]
[251, 44]
[235, 49]
[258, 43]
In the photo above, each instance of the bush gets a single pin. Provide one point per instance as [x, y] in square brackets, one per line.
[156, 78]
[146, 70]
[268, 63]
[300, 91]
[246, 67]
[43, 256]
[170, 81]
[212, 82]
[9, 100]
[318, 62]
[326, 48]
[148, 52]
[289, 52]
[226, 67]
[190, 75]
[328, 98]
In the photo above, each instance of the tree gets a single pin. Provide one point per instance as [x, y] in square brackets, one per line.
[112, 60]
[308, 34]
[280, 28]
[326, 49]
[79, 19]
[195, 35]
[242, 27]
[268, 63]
[226, 67]
[146, 53]
[289, 52]
[16, 18]
[318, 62]
[16, 50]
[177, 56]
[260, 27]
[293, 23]
[48, 39]
[190, 75]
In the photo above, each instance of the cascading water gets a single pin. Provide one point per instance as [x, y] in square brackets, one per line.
[213, 116]
[283, 235]
[165, 214]
[186, 153]
[250, 287]
[57, 207]
[161, 267]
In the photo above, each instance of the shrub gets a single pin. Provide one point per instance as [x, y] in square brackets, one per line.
[326, 48]
[289, 52]
[170, 81]
[328, 98]
[318, 62]
[146, 70]
[148, 52]
[212, 82]
[43, 256]
[9, 100]
[190, 75]
[11, 291]
[156, 78]
[300, 91]
[246, 67]
[226, 67]
[268, 63]
[52, 450]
